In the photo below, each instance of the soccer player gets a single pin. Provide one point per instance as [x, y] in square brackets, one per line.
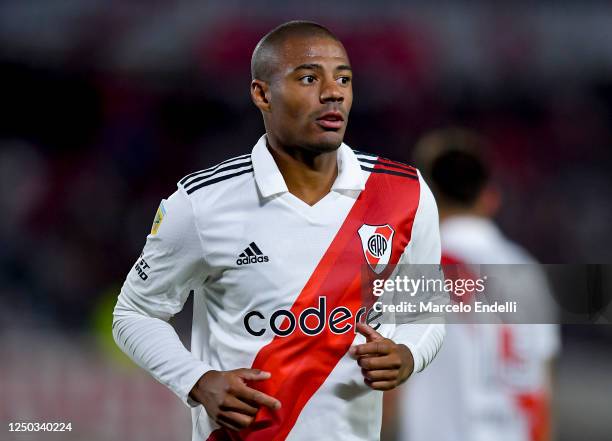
[490, 381]
[272, 244]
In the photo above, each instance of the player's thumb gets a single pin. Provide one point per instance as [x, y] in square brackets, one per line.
[368, 332]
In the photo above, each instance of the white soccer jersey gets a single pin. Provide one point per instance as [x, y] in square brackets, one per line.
[248, 249]
[489, 381]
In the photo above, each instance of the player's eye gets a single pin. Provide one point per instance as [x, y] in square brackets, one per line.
[308, 79]
[344, 80]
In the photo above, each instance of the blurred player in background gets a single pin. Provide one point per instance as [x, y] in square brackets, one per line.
[270, 235]
[489, 382]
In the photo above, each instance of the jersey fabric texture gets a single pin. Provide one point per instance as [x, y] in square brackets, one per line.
[247, 248]
[489, 381]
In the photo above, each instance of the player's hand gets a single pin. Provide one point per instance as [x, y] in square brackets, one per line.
[227, 398]
[384, 364]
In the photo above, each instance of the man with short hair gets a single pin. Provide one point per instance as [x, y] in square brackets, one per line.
[490, 380]
[272, 244]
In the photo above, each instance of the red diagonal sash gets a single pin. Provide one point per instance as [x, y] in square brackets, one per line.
[299, 364]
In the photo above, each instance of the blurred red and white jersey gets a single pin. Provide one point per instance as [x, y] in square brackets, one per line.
[489, 381]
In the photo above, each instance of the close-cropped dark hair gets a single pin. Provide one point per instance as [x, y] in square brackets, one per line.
[459, 176]
[263, 59]
[452, 163]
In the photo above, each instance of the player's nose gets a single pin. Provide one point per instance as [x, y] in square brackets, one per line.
[331, 91]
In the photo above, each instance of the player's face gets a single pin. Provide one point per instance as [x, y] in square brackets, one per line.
[311, 94]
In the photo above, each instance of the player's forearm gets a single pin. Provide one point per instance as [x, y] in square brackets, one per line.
[423, 340]
[154, 345]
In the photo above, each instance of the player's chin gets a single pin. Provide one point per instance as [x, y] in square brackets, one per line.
[327, 141]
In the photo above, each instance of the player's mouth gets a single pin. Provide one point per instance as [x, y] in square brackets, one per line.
[331, 120]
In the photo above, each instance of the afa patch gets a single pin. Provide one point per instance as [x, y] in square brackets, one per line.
[159, 217]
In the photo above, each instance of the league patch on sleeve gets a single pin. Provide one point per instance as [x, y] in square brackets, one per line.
[159, 216]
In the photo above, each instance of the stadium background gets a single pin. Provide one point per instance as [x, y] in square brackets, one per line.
[108, 103]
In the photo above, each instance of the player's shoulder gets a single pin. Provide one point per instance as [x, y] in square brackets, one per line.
[374, 163]
[223, 172]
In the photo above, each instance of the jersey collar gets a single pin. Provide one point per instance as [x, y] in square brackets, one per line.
[270, 180]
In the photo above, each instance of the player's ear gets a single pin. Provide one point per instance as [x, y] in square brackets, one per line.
[489, 201]
[260, 94]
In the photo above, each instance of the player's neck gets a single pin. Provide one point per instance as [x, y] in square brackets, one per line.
[309, 176]
[482, 208]
[447, 212]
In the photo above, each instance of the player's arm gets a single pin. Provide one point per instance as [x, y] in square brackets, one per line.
[425, 335]
[388, 362]
[155, 289]
[171, 265]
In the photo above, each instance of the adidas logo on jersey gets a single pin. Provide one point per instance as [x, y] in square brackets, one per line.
[252, 254]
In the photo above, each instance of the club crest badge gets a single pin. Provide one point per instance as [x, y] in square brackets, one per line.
[377, 243]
